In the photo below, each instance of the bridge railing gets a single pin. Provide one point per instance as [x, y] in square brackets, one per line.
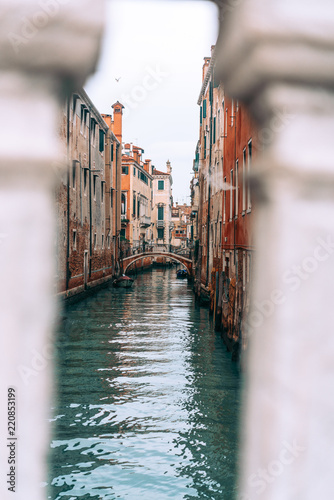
[158, 249]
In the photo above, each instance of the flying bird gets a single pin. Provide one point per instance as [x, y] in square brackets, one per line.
[118, 79]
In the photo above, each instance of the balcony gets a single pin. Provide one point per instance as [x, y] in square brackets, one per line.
[145, 221]
[124, 220]
[160, 223]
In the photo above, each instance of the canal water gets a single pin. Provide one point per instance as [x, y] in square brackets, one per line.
[148, 398]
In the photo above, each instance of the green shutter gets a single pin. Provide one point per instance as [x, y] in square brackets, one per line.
[204, 108]
[160, 213]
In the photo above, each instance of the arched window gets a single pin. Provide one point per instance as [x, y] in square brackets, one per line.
[123, 206]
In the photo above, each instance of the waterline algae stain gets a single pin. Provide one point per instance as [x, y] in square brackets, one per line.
[148, 398]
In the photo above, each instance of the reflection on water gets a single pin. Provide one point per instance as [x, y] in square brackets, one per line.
[148, 398]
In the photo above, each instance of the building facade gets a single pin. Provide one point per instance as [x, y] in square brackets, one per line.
[221, 205]
[181, 227]
[162, 208]
[88, 198]
[136, 199]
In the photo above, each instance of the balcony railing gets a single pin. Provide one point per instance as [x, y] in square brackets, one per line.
[145, 221]
[160, 223]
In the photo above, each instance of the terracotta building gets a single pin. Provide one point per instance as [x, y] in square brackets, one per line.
[137, 197]
[221, 204]
[88, 198]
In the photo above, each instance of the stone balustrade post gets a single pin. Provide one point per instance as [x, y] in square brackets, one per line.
[47, 47]
[278, 56]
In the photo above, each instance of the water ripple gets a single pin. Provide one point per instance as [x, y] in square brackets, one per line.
[148, 398]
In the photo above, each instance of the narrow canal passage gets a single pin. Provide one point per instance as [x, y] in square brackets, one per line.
[148, 398]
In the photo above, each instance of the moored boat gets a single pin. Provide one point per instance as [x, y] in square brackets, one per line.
[123, 282]
[181, 273]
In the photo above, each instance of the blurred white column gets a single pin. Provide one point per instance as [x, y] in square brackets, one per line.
[46, 48]
[279, 56]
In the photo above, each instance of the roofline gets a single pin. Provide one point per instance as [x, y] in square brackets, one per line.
[89, 103]
[207, 76]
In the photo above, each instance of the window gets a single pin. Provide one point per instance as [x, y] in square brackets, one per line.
[102, 192]
[108, 241]
[123, 232]
[111, 198]
[82, 119]
[74, 239]
[123, 204]
[143, 177]
[134, 206]
[218, 123]
[244, 181]
[74, 109]
[95, 241]
[201, 116]
[204, 108]
[138, 208]
[101, 141]
[94, 187]
[112, 152]
[134, 171]
[236, 187]
[102, 240]
[85, 181]
[161, 185]
[249, 202]
[93, 131]
[231, 196]
[74, 171]
[125, 170]
[210, 92]
[214, 130]
[204, 147]
[160, 233]
[160, 213]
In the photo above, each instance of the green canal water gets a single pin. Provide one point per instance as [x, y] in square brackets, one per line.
[148, 398]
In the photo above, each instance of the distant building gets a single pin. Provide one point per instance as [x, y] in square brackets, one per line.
[162, 204]
[181, 226]
[88, 198]
[136, 199]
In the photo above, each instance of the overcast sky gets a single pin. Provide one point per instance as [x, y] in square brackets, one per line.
[156, 50]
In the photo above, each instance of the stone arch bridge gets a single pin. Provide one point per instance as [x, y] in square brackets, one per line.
[187, 263]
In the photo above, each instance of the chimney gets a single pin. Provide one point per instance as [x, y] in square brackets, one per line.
[107, 119]
[205, 66]
[147, 166]
[118, 115]
[169, 168]
[137, 154]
